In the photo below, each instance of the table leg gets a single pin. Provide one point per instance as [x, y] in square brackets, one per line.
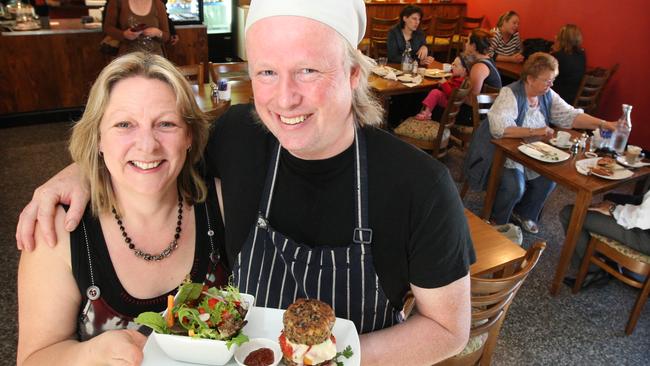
[493, 183]
[583, 200]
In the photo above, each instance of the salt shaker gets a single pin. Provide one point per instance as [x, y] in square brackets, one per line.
[575, 147]
[583, 140]
[215, 92]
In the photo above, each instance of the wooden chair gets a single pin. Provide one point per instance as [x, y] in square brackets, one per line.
[442, 36]
[591, 88]
[425, 24]
[491, 299]
[379, 28]
[601, 246]
[465, 28]
[228, 71]
[193, 73]
[433, 135]
[480, 107]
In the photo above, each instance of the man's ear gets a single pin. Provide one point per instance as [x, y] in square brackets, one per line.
[355, 75]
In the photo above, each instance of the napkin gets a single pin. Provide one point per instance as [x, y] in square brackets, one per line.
[391, 75]
[414, 81]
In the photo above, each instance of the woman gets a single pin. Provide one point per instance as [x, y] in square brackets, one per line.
[506, 44]
[571, 59]
[144, 232]
[524, 109]
[139, 25]
[482, 71]
[406, 35]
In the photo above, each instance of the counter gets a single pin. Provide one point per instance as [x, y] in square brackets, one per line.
[52, 69]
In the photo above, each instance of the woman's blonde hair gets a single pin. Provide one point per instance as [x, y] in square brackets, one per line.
[84, 143]
[569, 39]
[506, 17]
[537, 63]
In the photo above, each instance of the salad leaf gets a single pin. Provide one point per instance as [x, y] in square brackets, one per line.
[152, 320]
[188, 292]
[238, 340]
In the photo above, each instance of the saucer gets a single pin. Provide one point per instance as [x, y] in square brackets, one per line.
[554, 142]
[621, 160]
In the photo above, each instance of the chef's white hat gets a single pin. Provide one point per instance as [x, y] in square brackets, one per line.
[347, 17]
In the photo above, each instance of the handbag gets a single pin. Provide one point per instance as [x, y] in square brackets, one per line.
[109, 46]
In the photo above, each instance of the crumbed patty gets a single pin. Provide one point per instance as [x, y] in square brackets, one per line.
[606, 162]
[308, 321]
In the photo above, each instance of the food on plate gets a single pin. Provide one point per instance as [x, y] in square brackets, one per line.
[260, 357]
[201, 312]
[606, 162]
[307, 335]
[601, 170]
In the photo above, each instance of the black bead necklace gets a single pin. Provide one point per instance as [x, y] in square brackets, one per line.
[167, 251]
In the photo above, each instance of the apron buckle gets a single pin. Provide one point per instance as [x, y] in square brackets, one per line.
[261, 222]
[362, 236]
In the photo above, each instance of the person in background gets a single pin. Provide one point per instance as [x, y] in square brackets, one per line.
[144, 232]
[506, 44]
[312, 188]
[407, 35]
[626, 221]
[525, 109]
[139, 25]
[570, 56]
[439, 97]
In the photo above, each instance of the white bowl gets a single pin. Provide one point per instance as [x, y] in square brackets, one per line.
[257, 343]
[199, 350]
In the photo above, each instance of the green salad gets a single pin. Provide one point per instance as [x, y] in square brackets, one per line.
[201, 312]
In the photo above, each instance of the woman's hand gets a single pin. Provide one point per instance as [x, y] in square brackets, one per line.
[422, 53]
[128, 34]
[427, 61]
[543, 131]
[153, 32]
[117, 347]
[609, 126]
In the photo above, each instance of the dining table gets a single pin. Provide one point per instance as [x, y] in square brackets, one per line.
[241, 92]
[494, 251]
[565, 174]
[510, 69]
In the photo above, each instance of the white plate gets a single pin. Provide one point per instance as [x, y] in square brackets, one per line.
[26, 26]
[405, 78]
[543, 152]
[384, 70]
[638, 164]
[553, 142]
[436, 73]
[266, 323]
[584, 167]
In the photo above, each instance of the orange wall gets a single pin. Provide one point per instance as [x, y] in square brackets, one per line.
[613, 32]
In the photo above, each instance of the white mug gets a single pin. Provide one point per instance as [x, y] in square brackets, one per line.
[562, 138]
[633, 154]
[446, 67]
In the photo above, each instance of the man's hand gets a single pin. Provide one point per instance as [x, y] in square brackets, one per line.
[67, 187]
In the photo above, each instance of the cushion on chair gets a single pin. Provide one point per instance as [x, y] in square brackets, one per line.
[476, 342]
[442, 42]
[622, 248]
[422, 130]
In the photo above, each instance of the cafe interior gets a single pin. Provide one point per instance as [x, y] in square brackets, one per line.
[51, 52]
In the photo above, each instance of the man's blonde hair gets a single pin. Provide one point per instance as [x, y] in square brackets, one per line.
[84, 143]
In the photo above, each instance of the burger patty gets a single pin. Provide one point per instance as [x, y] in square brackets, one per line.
[308, 321]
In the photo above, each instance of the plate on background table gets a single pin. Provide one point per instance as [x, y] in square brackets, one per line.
[384, 70]
[554, 142]
[639, 164]
[436, 73]
[266, 323]
[584, 167]
[543, 152]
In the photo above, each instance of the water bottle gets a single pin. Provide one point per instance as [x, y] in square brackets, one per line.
[623, 129]
[407, 61]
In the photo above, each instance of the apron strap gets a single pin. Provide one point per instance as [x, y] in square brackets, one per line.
[269, 185]
[362, 233]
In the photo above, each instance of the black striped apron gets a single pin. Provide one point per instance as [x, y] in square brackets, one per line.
[277, 270]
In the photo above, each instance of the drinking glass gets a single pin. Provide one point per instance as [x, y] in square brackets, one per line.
[382, 61]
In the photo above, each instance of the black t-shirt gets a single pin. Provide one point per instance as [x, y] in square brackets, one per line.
[420, 233]
[572, 68]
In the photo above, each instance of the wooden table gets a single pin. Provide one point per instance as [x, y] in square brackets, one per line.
[493, 250]
[385, 88]
[241, 92]
[565, 174]
[509, 69]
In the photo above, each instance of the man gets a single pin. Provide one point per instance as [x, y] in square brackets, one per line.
[338, 210]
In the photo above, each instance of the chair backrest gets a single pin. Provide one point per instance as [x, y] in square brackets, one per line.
[425, 24]
[228, 71]
[481, 105]
[448, 119]
[491, 299]
[193, 73]
[591, 87]
[379, 28]
[445, 28]
[468, 24]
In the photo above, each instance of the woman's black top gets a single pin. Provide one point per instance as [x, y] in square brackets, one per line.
[397, 44]
[572, 68]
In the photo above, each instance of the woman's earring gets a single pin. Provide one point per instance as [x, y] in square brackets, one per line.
[189, 148]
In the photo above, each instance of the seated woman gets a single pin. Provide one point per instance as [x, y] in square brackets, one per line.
[145, 231]
[406, 35]
[506, 44]
[571, 59]
[524, 109]
[439, 97]
[139, 25]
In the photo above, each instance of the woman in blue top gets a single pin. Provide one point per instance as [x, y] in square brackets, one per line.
[407, 35]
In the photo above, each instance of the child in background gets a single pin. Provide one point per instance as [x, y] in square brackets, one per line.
[439, 97]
